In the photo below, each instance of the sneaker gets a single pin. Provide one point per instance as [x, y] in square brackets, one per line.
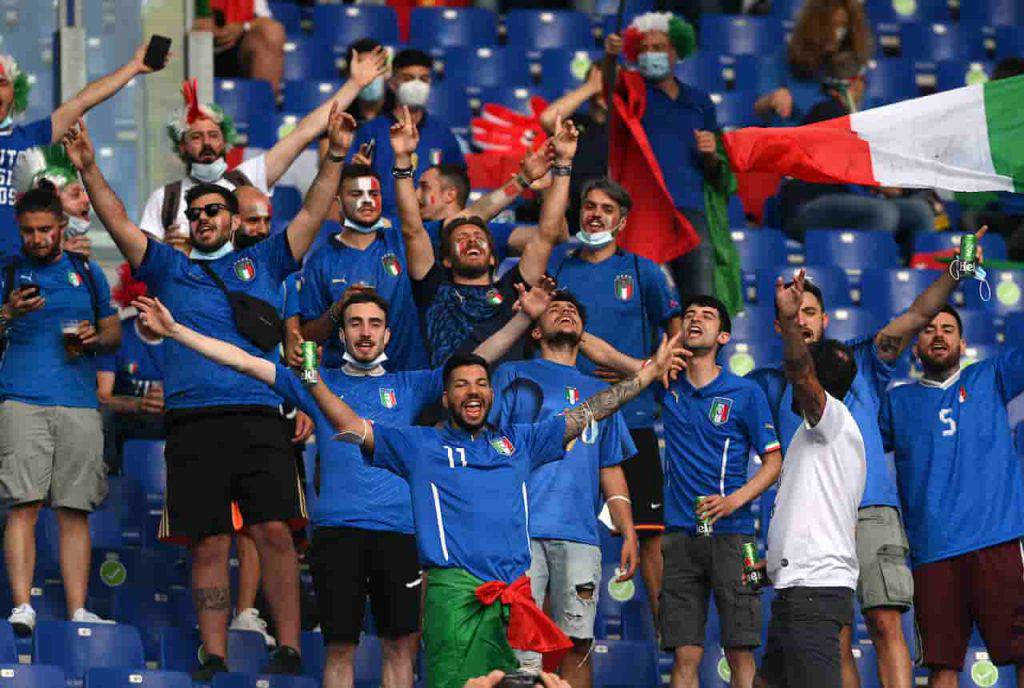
[249, 620]
[285, 660]
[83, 615]
[212, 664]
[23, 619]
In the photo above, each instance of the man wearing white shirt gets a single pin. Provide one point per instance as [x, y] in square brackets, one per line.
[812, 549]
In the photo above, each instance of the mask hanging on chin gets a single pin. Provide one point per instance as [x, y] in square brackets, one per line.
[7, 122]
[364, 229]
[599, 239]
[208, 172]
[363, 365]
[77, 226]
[200, 254]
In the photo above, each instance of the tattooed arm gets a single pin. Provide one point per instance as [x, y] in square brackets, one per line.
[797, 363]
[608, 401]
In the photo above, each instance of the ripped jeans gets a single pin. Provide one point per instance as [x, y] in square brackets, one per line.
[567, 575]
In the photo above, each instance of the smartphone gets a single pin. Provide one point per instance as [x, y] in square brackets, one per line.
[156, 51]
[29, 291]
[370, 148]
[519, 679]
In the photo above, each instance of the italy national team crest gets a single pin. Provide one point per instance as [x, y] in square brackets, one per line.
[624, 287]
[962, 395]
[494, 297]
[131, 368]
[720, 408]
[391, 264]
[74, 279]
[503, 446]
[245, 269]
[387, 398]
[572, 395]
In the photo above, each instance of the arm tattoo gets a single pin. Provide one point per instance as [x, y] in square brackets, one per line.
[600, 406]
[211, 599]
[888, 346]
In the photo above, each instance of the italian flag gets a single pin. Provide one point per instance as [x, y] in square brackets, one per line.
[967, 139]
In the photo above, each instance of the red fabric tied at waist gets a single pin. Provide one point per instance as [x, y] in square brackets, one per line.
[528, 627]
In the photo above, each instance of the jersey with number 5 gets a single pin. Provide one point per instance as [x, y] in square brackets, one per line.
[960, 481]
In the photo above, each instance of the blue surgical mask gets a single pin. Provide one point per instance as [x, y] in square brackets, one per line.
[653, 66]
[598, 239]
[199, 254]
[365, 229]
[8, 122]
[373, 91]
[208, 172]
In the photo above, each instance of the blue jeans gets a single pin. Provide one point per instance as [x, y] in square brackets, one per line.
[902, 217]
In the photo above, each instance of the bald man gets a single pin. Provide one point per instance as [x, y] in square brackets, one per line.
[255, 210]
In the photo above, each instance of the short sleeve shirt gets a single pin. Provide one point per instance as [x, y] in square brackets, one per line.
[136, 364]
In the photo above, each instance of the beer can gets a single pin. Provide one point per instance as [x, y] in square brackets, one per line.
[752, 575]
[703, 524]
[968, 254]
[310, 375]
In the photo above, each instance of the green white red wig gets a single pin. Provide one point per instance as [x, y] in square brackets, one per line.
[680, 33]
[22, 85]
[192, 111]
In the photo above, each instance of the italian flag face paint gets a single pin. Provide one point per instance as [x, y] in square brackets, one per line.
[369, 193]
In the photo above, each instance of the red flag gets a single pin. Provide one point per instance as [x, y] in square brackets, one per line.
[528, 627]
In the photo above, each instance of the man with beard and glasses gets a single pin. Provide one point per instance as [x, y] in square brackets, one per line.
[363, 542]
[962, 494]
[56, 316]
[201, 135]
[885, 589]
[565, 495]
[459, 299]
[16, 138]
[630, 300]
[227, 443]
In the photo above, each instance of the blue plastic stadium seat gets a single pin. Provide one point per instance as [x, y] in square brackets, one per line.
[608, 8]
[920, 11]
[448, 26]
[630, 618]
[734, 108]
[978, 326]
[831, 279]
[179, 650]
[144, 462]
[289, 14]
[713, 671]
[543, 29]
[1013, 329]
[562, 70]
[850, 249]
[786, 10]
[867, 664]
[150, 611]
[31, 676]
[304, 96]
[889, 292]
[848, 323]
[343, 24]
[488, 66]
[951, 74]
[235, 680]
[892, 80]
[992, 13]
[742, 357]
[135, 678]
[1009, 41]
[8, 650]
[994, 245]
[306, 57]
[1007, 288]
[313, 654]
[716, 72]
[740, 35]
[514, 97]
[77, 647]
[624, 664]
[244, 100]
[755, 323]
[759, 248]
[931, 42]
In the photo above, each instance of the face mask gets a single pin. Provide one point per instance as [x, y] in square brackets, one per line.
[199, 254]
[598, 239]
[840, 34]
[7, 122]
[77, 226]
[364, 366]
[653, 66]
[208, 172]
[414, 94]
[366, 186]
[373, 91]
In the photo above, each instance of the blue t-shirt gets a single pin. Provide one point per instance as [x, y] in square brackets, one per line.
[354, 494]
[629, 301]
[863, 400]
[35, 369]
[669, 125]
[437, 145]
[958, 496]
[194, 381]
[12, 142]
[335, 267]
[290, 289]
[136, 363]
[565, 495]
[469, 494]
[709, 434]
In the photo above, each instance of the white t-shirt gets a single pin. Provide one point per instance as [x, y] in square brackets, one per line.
[255, 169]
[812, 536]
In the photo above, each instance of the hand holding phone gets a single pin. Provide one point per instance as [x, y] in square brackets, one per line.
[156, 52]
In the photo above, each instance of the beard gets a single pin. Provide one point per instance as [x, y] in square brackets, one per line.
[932, 365]
[564, 340]
[470, 271]
[49, 256]
[243, 240]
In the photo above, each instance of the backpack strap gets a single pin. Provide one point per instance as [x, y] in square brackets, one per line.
[81, 263]
[212, 275]
[238, 178]
[172, 200]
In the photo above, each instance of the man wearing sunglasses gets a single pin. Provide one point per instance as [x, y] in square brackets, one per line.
[227, 444]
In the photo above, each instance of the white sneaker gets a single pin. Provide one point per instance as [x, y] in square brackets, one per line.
[249, 620]
[23, 619]
[83, 615]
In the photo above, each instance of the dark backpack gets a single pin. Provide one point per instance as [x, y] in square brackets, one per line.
[172, 196]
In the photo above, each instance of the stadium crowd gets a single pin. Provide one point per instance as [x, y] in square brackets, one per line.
[484, 427]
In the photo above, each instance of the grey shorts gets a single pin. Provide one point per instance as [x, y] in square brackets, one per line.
[803, 637]
[695, 567]
[885, 578]
[52, 454]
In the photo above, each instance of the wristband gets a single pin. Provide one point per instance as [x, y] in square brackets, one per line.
[561, 170]
[402, 172]
[622, 498]
[335, 158]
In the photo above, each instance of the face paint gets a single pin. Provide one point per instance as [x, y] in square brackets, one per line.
[465, 245]
[366, 185]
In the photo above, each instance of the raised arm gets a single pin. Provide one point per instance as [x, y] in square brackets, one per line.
[155, 315]
[530, 306]
[896, 336]
[534, 261]
[95, 92]
[608, 401]
[130, 240]
[572, 100]
[365, 68]
[533, 169]
[606, 356]
[797, 363]
[303, 229]
[419, 252]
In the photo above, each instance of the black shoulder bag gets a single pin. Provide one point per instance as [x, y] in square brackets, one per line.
[256, 320]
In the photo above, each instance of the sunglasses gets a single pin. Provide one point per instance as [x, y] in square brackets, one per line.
[211, 210]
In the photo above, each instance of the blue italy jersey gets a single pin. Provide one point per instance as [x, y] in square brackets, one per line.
[136, 363]
[352, 493]
[194, 381]
[959, 477]
[290, 289]
[469, 494]
[437, 145]
[335, 267]
[565, 496]
[863, 401]
[629, 300]
[709, 434]
[12, 142]
[35, 369]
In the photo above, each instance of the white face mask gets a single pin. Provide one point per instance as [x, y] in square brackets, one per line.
[77, 226]
[7, 122]
[413, 94]
[199, 254]
[599, 239]
[366, 186]
[363, 365]
[208, 172]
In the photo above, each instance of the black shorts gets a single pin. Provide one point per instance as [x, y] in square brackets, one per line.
[350, 563]
[646, 482]
[217, 457]
[227, 64]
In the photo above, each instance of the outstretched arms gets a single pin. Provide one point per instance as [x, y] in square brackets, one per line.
[797, 363]
[419, 252]
[531, 305]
